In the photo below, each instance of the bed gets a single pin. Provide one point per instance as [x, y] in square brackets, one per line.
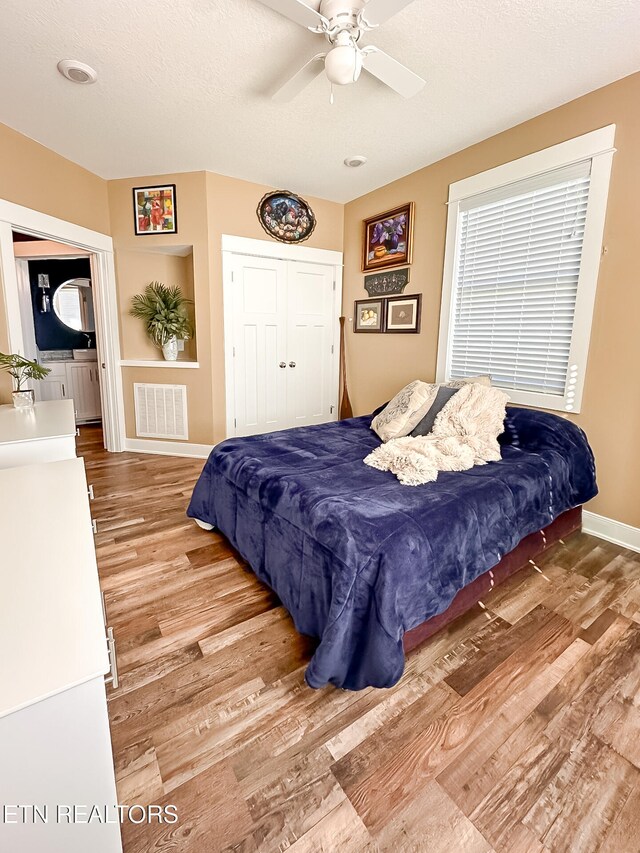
[362, 562]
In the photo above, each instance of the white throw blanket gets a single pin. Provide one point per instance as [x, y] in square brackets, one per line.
[465, 433]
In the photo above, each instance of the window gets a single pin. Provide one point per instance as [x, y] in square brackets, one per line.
[523, 249]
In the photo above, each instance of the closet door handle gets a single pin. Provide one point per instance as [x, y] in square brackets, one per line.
[283, 364]
[63, 392]
[292, 364]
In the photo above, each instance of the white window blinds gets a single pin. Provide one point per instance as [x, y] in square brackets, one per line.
[519, 250]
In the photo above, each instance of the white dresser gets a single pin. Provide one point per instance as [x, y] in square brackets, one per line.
[55, 747]
[45, 432]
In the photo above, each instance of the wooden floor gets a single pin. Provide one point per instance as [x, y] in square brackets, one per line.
[515, 731]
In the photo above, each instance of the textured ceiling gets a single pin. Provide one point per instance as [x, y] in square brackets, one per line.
[184, 84]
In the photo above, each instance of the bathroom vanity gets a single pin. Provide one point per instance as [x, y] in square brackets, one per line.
[74, 376]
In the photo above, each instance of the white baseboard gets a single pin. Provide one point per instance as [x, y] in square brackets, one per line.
[167, 448]
[613, 531]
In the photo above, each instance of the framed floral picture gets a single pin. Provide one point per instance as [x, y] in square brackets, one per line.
[403, 313]
[369, 315]
[154, 210]
[388, 239]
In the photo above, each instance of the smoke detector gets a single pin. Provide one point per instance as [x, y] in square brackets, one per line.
[77, 72]
[356, 161]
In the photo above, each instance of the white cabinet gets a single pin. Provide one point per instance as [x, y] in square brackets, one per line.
[44, 433]
[84, 387]
[73, 380]
[53, 386]
[55, 747]
[56, 754]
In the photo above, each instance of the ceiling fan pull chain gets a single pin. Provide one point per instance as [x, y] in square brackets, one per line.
[331, 95]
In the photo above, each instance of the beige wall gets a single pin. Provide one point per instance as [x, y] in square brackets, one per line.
[208, 206]
[232, 210]
[34, 176]
[380, 364]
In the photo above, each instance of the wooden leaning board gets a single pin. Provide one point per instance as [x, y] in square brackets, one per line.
[529, 548]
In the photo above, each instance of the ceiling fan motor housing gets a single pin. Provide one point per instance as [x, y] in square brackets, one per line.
[343, 15]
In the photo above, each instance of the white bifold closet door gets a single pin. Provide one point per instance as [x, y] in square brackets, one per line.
[310, 328]
[284, 320]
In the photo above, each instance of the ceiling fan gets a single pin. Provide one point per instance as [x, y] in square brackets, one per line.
[342, 23]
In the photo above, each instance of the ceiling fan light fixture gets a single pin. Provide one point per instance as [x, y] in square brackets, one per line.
[342, 23]
[343, 64]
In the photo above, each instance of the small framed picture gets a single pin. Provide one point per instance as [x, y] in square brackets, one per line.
[369, 315]
[403, 313]
[154, 210]
[388, 238]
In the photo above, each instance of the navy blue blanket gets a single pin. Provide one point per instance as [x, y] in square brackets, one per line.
[358, 559]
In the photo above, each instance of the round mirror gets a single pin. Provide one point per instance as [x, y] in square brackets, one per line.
[73, 304]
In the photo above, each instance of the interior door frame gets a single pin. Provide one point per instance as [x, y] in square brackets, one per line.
[247, 246]
[100, 247]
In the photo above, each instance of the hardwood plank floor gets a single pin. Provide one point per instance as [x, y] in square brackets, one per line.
[516, 733]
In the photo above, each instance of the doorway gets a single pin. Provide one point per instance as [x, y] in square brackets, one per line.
[105, 378]
[57, 315]
[282, 309]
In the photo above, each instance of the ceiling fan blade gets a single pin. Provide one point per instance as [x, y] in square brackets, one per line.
[393, 73]
[379, 11]
[301, 80]
[304, 13]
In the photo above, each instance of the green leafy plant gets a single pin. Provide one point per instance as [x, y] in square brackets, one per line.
[21, 369]
[164, 312]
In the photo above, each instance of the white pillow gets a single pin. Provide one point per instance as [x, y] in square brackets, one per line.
[405, 410]
[484, 379]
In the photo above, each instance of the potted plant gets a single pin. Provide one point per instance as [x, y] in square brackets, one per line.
[21, 369]
[164, 312]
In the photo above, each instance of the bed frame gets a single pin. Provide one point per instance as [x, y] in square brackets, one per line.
[529, 548]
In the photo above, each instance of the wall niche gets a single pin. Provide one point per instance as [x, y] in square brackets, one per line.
[136, 268]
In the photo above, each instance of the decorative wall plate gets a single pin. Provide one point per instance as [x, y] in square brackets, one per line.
[384, 283]
[286, 217]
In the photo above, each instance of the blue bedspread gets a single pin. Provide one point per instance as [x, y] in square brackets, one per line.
[358, 559]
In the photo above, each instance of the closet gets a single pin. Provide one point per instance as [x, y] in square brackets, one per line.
[281, 332]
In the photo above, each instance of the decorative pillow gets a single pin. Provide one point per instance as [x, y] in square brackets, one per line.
[444, 394]
[378, 409]
[405, 410]
[484, 379]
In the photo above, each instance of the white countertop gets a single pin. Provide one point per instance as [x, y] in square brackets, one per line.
[53, 419]
[52, 634]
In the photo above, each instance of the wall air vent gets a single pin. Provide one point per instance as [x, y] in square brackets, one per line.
[161, 411]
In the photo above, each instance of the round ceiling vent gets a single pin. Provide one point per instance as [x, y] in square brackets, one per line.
[77, 72]
[355, 161]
